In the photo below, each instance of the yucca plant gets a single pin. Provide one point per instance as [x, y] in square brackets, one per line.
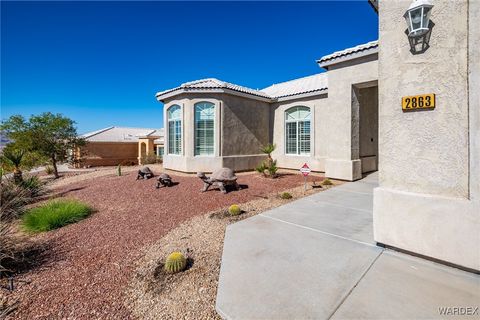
[15, 158]
[268, 167]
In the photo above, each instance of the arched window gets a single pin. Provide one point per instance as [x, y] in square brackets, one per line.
[174, 116]
[204, 128]
[297, 130]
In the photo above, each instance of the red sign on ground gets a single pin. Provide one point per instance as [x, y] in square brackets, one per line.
[305, 170]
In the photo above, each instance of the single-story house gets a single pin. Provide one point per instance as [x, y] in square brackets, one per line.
[328, 120]
[120, 145]
[408, 108]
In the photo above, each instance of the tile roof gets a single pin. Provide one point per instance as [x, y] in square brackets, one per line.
[121, 134]
[368, 47]
[212, 83]
[310, 84]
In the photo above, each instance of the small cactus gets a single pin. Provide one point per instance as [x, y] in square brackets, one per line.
[234, 210]
[119, 170]
[286, 195]
[327, 182]
[175, 262]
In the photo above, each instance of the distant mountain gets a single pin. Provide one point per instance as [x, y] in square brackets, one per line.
[3, 140]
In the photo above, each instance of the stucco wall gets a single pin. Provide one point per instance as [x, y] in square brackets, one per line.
[341, 135]
[109, 153]
[245, 125]
[425, 151]
[423, 203]
[241, 128]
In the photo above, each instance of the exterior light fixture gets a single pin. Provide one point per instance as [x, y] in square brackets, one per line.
[419, 25]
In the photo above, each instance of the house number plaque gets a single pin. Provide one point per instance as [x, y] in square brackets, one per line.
[422, 101]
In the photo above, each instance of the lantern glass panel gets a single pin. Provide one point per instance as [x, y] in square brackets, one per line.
[426, 17]
[416, 16]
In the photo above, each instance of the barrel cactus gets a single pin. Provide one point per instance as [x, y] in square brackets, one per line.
[234, 210]
[176, 262]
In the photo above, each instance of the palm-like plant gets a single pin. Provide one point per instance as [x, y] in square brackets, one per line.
[14, 157]
[269, 166]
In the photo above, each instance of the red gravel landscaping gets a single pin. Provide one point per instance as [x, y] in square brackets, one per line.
[89, 263]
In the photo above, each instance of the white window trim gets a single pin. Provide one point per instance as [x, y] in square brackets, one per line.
[180, 119]
[285, 121]
[214, 131]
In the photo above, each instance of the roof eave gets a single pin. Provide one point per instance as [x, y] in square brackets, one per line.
[352, 56]
[170, 94]
[320, 92]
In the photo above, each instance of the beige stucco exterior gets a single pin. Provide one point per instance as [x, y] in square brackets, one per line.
[428, 199]
[108, 154]
[343, 121]
[241, 128]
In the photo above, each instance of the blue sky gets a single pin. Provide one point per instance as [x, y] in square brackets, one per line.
[101, 63]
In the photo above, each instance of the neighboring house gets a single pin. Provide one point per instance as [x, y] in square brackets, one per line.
[120, 145]
[212, 123]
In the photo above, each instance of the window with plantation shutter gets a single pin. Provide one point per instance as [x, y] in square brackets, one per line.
[297, 131]
[174, 116]
[204, 128]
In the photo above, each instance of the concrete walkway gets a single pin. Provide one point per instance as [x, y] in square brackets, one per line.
[315, 258]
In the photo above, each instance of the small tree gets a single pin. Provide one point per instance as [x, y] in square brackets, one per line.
[50, 135]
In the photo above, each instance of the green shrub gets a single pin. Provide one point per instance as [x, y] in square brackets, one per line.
[34, 186]
[55, 214]
[234, 210]
[327, 182]
[272, 169]
[268, 167]
[49, 169]
[261, 168]
[151, 159]
[175, 262]
[286, 195]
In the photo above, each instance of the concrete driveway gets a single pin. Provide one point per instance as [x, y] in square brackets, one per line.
[315, 258]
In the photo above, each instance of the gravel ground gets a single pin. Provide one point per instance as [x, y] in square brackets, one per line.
[88, 265]
[191, 294]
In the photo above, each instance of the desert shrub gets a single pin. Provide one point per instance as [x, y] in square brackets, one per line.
[272, 169]
[49, 169]
[55, 214]
[6, 245]
[175, 262]
[286, 195]
[234, 210]
[261, 168]
[34, 186]
[268, 167]
[13, 200]
[327, 182]
[151, 159]
[6, 307]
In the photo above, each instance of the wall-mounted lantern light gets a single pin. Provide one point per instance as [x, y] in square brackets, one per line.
[419, 25]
